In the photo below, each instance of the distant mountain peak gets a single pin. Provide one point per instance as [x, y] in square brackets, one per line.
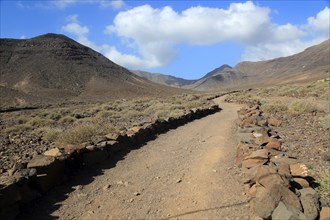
[52, 36]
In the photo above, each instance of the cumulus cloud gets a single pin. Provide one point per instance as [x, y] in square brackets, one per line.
[79, 31]
[285, 40]
[154, 32]
[321, 21]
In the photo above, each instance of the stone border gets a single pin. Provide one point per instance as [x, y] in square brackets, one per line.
[45, 171]
[278, 185]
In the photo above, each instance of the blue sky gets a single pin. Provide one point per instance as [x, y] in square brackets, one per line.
[186, 38]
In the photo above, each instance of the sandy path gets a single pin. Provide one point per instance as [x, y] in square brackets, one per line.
[187, 173]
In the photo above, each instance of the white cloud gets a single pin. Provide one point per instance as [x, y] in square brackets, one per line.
[286, 40]
[155, 32]
[80, 32]
[22, 37]
[75, 28]
[321, 21]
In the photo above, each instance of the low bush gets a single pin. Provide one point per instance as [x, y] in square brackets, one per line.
[83, 133]
[67, 120]
[324, 189]
[273, 107]
[325, 121]
[300, 107]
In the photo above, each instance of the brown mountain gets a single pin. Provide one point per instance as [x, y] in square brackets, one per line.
[222, 77]
[311, 64]
[164, 79]
[54, 68]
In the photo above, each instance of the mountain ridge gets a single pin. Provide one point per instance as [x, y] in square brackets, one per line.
[310, 64]
[54, 68]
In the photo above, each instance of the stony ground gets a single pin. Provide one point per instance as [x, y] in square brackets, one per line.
[187, 173]
[304, 137]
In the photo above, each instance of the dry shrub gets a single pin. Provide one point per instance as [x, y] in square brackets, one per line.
[67, 120]
[18, 128]
[48, 133]
[84, 132]
[325, 121]
[301, 107]
[324, 189]
[38, 122]
[273, 107]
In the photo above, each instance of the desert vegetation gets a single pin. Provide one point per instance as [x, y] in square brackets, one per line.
[30, 132]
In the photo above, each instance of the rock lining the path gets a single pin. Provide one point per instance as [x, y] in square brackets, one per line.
[279, 185]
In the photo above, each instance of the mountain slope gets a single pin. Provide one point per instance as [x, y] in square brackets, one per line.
[311, 64]
[163, 79]
[222, 77]
[52, 67]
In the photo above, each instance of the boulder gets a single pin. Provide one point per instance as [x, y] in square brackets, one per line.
[248, 122]
[278, 160]
[112, 136]
[310, 204]
[308, 191]
[271, 179]
[242, 150]
[325, 213]
[245, 138]
[284, 169]
[274, 122]
[267, 199]
[71, 148]
[249, 163]
[250, 129]
[133, 130]
[300, 183]
[249, 175]
[298, 170]
[258, 154]
[40, 161]
[262, 122]
[99, 139]
[265, 202]
[262, 140]
[273, 144]
[282, 212]
[55, 152]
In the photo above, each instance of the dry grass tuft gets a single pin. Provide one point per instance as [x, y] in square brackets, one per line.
[324, 189]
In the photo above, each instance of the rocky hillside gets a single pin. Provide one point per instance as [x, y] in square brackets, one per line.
[52, 67]
[222, 77]
[309, 65]
[164, 79]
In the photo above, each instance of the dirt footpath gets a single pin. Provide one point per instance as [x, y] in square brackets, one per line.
[187, 173]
